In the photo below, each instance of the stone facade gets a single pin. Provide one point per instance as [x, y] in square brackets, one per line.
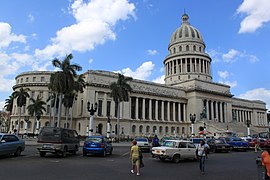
[162, 109]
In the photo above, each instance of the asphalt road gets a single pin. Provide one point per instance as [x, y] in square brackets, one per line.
[219, 166]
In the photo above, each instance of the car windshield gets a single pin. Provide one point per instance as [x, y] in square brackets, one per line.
[141, 139]
[50, 134]
[197, 141]
[0, 136]
[236, 139]
[219, 141]
[94, 139]
[169, 144]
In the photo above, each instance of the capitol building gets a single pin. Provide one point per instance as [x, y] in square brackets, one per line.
[162, 109]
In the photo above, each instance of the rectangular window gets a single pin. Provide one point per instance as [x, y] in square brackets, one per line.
[34, 79]
[42, 79]
[99, 107]
[26, 79]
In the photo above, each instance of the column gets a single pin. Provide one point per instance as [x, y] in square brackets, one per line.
[104, 105]
[143, 108]
[212, 110]
[168, 111]
[225, 112]
[179, 111]
[162, 110]
[137, 108]
[156, 110]
[150, 109]
[181, 61]
[173, 112]
[207, 109]
[220, 111]
[184, 113]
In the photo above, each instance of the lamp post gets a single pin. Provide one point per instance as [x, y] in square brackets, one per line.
[248, 127]
[26, 119]
[204, 130]
[38, 116]
[192, 119]
[92, 111]
[108, 127]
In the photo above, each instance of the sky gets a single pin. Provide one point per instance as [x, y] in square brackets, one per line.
[132, 37]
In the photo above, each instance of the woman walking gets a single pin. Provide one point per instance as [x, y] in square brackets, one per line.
[135, 159]
[201, 153]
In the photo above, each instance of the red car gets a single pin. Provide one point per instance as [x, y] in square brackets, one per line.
[263, 143]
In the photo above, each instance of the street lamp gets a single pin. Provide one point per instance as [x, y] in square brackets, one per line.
[92, 111]
[192, 119]
[204, 130]
[108, 127]
[248, 127]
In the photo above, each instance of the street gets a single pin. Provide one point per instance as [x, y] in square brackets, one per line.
[219, 166]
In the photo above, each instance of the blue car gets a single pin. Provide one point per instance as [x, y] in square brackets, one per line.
[11, 144]
[237, 143]
[97, 145]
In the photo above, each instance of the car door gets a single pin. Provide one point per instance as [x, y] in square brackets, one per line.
[183, 150]
[7, 147]
[191, 150]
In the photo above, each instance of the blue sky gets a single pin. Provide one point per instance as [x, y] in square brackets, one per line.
[132, 37]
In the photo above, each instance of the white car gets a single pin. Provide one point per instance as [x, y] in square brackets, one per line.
[143, 143]
[175, 150]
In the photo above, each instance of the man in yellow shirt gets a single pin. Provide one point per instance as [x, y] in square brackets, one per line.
[134, 156]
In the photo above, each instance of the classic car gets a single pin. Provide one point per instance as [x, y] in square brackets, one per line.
[218, 145]
[175, 150]
[236, 143]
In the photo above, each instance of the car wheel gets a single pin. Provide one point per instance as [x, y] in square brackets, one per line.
[42, 154]
[18, 152]
[176, 158]
[64, 152]
[111, 151]
[75, 150]
[161, 158]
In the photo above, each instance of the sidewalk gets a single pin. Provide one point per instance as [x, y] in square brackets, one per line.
[33, 142]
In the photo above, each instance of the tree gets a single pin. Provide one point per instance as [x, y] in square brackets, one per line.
[120, 92]
[21, 96]
[36, 108]
[63, 81]
[9, 106]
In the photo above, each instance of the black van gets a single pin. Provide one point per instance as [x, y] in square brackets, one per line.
[58, 141]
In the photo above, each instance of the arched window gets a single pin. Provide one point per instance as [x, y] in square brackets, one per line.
[47, 123]
[140, 129]
[147, 129]
[79, 126]
[154, 129]
[22, 125]
[160, 129]
[183, 130]
[180, 48]
[194, 48]
[187, 48]
[133, 129]
[166, 129]
[172, 130]
[177, 130]
[173, 50]
[29, 125]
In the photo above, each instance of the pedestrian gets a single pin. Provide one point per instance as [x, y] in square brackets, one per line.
[135, 158]
[155, 142]
[201, 153]
[266, 162]
[257, 145]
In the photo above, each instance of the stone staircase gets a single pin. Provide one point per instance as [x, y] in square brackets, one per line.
[217, 128]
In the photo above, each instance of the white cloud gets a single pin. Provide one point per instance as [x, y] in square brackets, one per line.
[91, 61]
[151, 52]
[160, 79]
[233, 55]
[257, 13]
[258, 94]
[95, 21]
[7, 37]
[6, 84]
[229, 83]
[2, 104]
[31, 18]
[223, 74]
[142, 72]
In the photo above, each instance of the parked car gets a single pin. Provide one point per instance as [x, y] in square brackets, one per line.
[197, 141]
[97, 145]
[175, 150]
[236, 143]
[218, 145]
[58, 141]
[143, 143]
[11, 144]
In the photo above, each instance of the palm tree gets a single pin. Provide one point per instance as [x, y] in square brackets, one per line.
[9, 106]
[36, 108]
[62, 81]
[120, 92]
[21, 96]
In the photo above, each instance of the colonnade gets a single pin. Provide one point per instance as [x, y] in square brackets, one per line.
[187, 65]
[216, 110]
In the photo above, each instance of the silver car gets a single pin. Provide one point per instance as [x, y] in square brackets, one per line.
[11, 144]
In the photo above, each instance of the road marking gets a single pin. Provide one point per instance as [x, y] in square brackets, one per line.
[125, 154]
